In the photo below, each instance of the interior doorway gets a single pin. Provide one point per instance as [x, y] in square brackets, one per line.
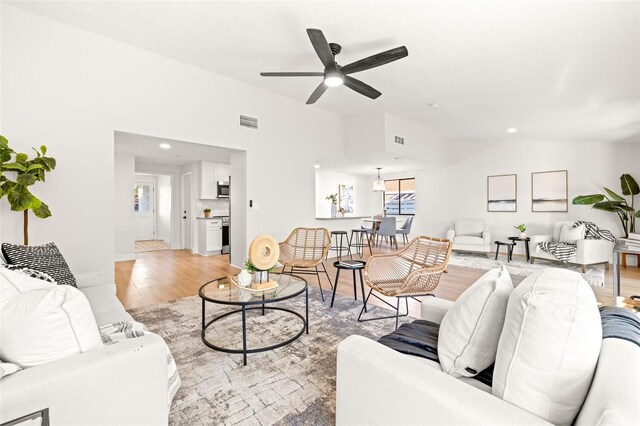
[152, 200]
[186, 211]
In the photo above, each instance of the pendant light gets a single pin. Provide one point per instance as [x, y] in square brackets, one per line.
[378, 183]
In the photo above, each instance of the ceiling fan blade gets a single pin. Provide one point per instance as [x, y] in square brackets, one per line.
[376, 60]
[360, 87]
[317, 93]
[321, 46]
[292, 74]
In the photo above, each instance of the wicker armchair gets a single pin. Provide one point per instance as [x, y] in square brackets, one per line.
[413, 271]
[305, 248]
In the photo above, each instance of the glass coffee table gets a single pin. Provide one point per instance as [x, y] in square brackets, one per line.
[224, 292]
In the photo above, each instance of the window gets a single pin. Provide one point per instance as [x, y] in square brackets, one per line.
[400, 196]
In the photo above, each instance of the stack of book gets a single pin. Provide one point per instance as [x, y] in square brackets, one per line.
[632, 242]
[350, 263]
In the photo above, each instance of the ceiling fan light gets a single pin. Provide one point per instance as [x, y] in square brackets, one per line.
[333, 79]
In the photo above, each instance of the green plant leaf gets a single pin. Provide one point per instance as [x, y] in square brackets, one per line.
[26, 179]
[4, 142]
[5, 156]
[42, 211]
[43, 150]
[584, 200]
[49, 163]
[638, 213]
[613, 195]
[625, 207]
[14, 166]
[629, 185]
[19, 197]
[34, 166]
[21, 157]
[609, 206]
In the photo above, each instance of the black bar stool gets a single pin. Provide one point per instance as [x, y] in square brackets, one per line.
[359, 245]
[339, 248]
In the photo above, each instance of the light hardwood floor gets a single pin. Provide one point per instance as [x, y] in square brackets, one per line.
[162, 276]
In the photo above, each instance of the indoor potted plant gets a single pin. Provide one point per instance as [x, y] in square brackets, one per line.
[334, 203]
[17, 174]
[207, 212]
[522, 228]
[259, 274]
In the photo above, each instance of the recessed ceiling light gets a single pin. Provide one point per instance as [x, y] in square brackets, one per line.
[433, 105]
[165, 146]
[316, 166]
[512, 130]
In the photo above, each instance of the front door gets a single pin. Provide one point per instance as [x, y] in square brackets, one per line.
[144, 210]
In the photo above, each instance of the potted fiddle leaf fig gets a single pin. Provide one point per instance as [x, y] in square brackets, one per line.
[18, 173]
[610, 201]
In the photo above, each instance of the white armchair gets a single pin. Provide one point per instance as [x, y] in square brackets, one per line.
[588, 252]
[470, 235]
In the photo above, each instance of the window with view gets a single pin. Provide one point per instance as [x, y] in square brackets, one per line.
[400, 196]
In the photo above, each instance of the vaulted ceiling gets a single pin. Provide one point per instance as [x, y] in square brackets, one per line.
[555, 70]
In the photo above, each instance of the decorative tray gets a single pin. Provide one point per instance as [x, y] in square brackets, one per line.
[268, 285]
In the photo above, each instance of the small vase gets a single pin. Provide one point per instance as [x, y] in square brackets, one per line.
[523, 235]
[207, 214]
[334, 210]
[244, 278]
[260, 276]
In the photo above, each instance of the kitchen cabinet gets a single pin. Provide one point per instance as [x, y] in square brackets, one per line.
[209, 236]
[210, 174]
[222, 171]
[208, 180]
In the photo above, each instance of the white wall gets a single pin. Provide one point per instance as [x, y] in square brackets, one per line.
[72, 89]
[123, 216]
[459, 190]
[164, 208]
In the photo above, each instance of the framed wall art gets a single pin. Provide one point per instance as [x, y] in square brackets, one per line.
[502, 193]
[549, 191]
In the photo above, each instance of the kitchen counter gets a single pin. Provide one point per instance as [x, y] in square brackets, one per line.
[211, 217]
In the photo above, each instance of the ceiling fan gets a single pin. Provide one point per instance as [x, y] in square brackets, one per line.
[336, 75]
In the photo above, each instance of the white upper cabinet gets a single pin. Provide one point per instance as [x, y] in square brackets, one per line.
[208, 180]
[210, 174]
[223, 172]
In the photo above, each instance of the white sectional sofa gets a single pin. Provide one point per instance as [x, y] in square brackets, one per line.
[379, 386]
[124, 383]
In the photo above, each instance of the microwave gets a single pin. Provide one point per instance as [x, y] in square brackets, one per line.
[223, 189]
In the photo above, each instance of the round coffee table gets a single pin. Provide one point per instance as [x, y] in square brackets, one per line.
[224, 292]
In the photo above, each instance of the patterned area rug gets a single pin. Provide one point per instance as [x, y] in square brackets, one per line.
[151, 245]
[594, 275]
[294, 384]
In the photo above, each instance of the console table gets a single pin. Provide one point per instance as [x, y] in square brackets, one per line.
[618, 250]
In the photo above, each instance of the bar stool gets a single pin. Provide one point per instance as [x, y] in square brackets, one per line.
[359, 245]
[339, 248]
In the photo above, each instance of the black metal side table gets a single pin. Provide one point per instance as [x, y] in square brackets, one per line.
[509, 244]
[526, 245]
[350, 265]
[224, 292]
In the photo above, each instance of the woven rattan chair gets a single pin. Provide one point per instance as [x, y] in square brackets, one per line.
[413, 271]
[303, 250]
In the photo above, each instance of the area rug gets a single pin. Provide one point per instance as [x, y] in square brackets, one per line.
[594, 275]
[151, 245]
[294, 384]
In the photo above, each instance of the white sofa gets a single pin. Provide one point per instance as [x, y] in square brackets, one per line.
[470, 235]
[588, 252]
[117, 384]
[379, 386]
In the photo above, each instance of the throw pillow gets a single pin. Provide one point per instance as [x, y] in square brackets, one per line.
[7, 368]
[29, 272]
[570, 235]
[470, 329]
[549, 345]
[45, 325]
[15, 282]
[46, 258]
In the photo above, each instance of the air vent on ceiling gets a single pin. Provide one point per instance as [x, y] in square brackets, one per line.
[248, 122]
[399, 140]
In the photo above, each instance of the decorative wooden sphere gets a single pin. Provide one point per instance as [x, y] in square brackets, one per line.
[264, 252]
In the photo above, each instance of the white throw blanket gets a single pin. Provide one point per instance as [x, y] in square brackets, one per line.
[112, 333]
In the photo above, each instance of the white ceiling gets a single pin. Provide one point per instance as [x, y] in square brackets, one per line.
[556, 70]
[147, 149]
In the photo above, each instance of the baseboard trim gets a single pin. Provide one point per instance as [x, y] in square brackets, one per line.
[125, 257]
